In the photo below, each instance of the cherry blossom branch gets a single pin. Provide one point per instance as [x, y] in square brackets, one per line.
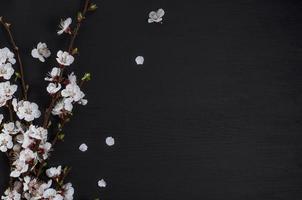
[81, 16]
[16, 50]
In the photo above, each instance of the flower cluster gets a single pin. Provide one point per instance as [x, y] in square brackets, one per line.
[7, 89]
[27, 144]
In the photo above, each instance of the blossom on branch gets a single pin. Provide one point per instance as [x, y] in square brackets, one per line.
[64, 58]
[64, 26]
[26, 110]
[6, 56]
[41, 52]
[6, 71]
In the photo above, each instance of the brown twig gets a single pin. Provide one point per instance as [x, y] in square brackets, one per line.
[76, 30]
[10, 111]
[17, 53]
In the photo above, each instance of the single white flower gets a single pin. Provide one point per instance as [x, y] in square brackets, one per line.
[28, 183]
[11, 195]
[139, 60]
[53, 88]
[102, 183]
[64, 58]
[5, 142]
[64, 105]
[68, 191]
[41, 52]
[6, 92]
[27, 155]
[25, 140]
[26, 110]
[19, 168]
[156, 16]
[83, 147]
[45, 149]
[53, 75]
[6, 56]
[54, 172]
[110, 141]
[73, 91]
[38, 133]
[64, 26]
[6, 71]
[10, 128]
[52, 194]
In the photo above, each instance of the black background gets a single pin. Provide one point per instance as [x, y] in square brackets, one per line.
[214, 113]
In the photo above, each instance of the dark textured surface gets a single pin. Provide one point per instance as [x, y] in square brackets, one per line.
[214, 113]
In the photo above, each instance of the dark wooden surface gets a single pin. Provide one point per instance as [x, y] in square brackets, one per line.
[213, 114]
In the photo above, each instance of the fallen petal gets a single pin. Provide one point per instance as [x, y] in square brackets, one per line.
[102, 183]
[139, 60]
[83, 147]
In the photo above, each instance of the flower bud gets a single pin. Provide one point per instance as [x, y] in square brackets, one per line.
[86, 77]
[92, 7]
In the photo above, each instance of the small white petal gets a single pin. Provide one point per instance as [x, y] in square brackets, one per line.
[83, 147]
[110, 141]
[139, 60]
[102, 183]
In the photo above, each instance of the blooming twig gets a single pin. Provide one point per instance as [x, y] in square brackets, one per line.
[16, 50]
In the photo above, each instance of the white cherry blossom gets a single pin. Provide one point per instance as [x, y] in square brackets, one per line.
[64, 26]
[52, 194]
[54, 172]
[6, 56]
[5, 142]
[38, 133]
[26, 110]
[64, 58]
[41, 52]
[11, 195]
[156, 16]
[27, 155]
[10, 128]
[53, 88]
[45, 148]
[73, 91]
[6, 71]
[68, 191]
[6, 92]
[1, 118]
[55, 73]
[19, 168]
[62, 106]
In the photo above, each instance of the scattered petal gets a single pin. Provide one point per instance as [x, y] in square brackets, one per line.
[156, 16]
[139, 60]
[83, 147]
[110, 141]
[102, 183]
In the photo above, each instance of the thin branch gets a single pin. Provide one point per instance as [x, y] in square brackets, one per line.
[10, 111]
[17, 53]
[76, 30]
